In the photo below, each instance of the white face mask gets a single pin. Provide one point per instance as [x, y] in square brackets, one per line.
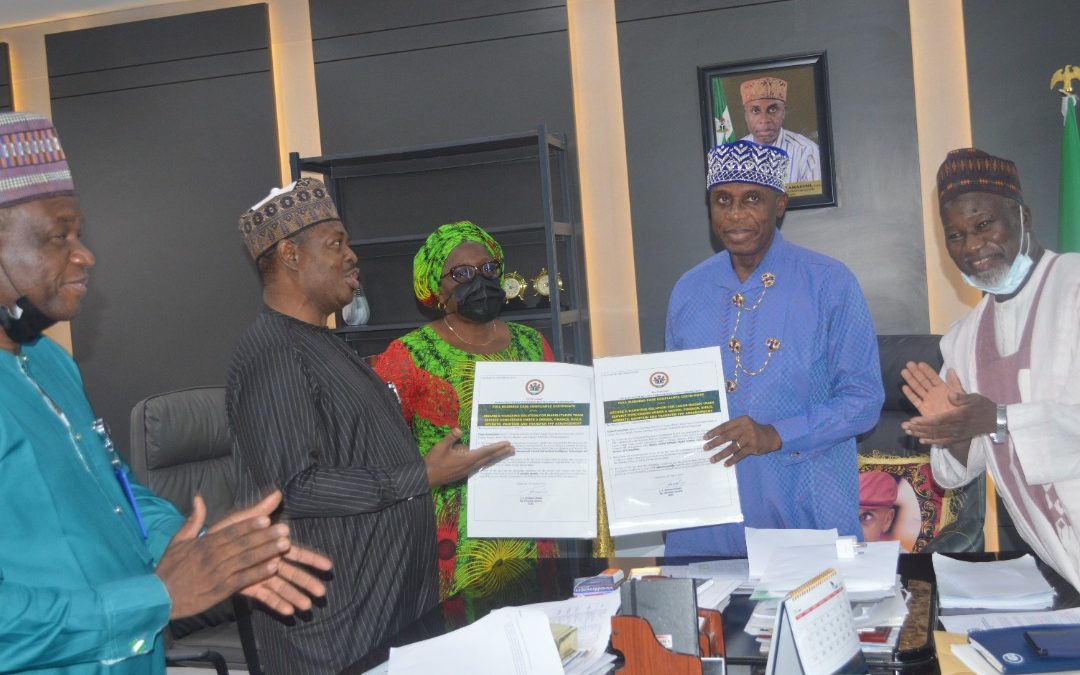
[1018, 271]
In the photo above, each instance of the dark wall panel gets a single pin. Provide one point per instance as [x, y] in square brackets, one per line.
[401, 74]
[877, 227]
[1012, 50]
[170, 129]
[5, 79]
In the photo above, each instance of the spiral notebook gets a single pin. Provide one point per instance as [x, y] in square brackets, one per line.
[814, 633]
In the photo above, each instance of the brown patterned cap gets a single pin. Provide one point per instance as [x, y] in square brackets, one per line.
[972, 170]
[284, 212]
[32, 163]
[763, 87]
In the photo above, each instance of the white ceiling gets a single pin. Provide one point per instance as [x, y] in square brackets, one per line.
[22, 12]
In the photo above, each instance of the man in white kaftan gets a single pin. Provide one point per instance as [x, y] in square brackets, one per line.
[765, 107]
[1017, 352]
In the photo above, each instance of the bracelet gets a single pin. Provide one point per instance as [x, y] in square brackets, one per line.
[1001, 430]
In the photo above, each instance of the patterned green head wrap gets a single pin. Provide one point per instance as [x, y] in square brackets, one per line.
[429, 260]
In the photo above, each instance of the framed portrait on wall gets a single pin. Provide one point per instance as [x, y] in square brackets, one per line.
[782, 102]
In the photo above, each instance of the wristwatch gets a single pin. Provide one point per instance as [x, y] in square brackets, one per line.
[1001, 430]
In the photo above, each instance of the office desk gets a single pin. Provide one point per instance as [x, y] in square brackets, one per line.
[742, 649]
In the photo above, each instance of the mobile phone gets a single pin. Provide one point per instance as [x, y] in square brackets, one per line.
[1060, 643]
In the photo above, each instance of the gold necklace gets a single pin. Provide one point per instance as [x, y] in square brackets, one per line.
[772, 344]
[470, 342]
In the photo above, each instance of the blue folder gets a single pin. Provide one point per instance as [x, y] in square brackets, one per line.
[1011, 651]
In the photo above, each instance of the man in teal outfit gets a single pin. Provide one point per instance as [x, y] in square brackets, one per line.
[92, 564]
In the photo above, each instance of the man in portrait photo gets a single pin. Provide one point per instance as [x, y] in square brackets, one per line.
[765, 106]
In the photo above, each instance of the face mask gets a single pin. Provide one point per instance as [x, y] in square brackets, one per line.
[28, 326]
[480, 300]
[1018, 271]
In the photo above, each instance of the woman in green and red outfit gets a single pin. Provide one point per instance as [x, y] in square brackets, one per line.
[459, 271]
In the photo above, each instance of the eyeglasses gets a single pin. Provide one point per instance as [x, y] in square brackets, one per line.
[463, 274]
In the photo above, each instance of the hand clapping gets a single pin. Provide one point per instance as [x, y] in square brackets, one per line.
[244, 553]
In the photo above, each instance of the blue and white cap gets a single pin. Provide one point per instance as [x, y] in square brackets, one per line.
[747, 162]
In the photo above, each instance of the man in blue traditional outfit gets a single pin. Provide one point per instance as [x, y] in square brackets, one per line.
[800, 357]
[92, 564]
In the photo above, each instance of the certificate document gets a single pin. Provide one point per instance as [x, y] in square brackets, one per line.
[655, 411]
[548, 487]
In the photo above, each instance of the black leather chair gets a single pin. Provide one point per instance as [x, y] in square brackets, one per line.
[180, 446]
[965, 533]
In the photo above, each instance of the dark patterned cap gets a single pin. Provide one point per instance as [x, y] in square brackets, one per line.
[972, 170]
[284, 212]
[32, 163]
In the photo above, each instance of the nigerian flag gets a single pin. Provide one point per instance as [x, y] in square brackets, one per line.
[1069, 189]
[725, 133]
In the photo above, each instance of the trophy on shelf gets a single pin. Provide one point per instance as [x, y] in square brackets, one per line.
[357, 312]
[541, 284]
[514, 286]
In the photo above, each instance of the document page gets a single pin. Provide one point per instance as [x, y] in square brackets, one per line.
[508, 641]
[654, 410]
[965, 623]
[548, 487]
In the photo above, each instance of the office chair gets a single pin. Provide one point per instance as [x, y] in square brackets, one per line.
[180, 446]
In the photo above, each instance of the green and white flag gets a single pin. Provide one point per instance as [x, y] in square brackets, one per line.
[725, 133]
[1069, 189]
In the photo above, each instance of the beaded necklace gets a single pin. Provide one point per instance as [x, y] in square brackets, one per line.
[772, 344]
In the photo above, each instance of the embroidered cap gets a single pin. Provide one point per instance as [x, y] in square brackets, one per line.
[763, 87]
[32, 163]
[972, 170]
[877, 490]
[747, 162]
[284, 212]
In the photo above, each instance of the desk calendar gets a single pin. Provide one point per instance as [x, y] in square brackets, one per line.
[814, 633]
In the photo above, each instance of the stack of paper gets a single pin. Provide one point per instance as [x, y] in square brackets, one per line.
[591, 616]
[780, 560]
[1013, 584]
[878, 622]
[715, 593]
[718, 580]
[509, 641]
[889, 611]
[963, 623]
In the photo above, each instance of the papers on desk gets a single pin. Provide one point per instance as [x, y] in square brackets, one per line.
[964, 623]
[509, 641]
[1006, 585]
[591, 616]
[761, 543]
[715, 593]
[721, 571]
[784, 559]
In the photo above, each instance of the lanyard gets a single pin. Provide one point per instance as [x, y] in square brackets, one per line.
[118, 470]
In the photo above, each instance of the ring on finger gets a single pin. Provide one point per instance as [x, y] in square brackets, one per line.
[738, 445]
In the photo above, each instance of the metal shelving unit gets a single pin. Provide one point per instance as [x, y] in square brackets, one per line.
[564, 321]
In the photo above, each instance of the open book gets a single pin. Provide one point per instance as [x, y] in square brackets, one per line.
[649, 414]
